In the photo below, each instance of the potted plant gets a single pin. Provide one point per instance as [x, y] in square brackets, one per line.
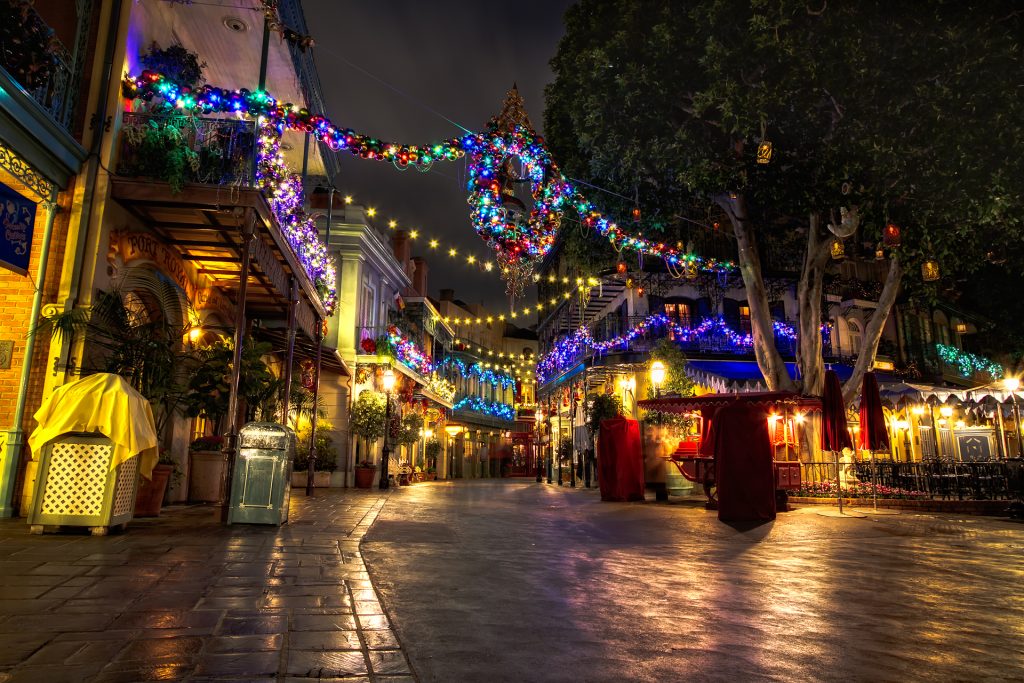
[150, 497]
[207, 462]
[366, 422]
[326, 456]
[433, 450]
[365, 472]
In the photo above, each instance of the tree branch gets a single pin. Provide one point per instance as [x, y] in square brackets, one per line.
[873, 332]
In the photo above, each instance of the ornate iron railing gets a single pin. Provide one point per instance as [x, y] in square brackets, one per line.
[187, 149]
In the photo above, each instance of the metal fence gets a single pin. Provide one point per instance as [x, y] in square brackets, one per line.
[928, 479]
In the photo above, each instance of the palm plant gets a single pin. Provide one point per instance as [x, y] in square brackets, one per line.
[135, 330]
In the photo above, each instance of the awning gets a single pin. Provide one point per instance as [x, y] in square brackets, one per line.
[773, 399]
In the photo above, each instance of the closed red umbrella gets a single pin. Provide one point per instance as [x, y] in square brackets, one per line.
[873, 434]
[834, 434]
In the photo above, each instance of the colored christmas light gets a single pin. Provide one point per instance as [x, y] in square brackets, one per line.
[408, 354]
[479, 372]
[968, 364]
[500, 410]
[567, 350]
[520, 241]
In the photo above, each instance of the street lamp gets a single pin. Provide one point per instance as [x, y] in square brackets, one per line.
[538, 417]
[1012, 384]
[452, 431]
[657, 375]
[388, 380]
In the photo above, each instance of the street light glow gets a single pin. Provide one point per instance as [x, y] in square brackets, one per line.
[388, 380]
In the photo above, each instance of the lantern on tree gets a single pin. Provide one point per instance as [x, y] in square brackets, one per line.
[930, 270]
[764, 152]
[621, 268]
[837, 250]
[891, 235]
[879, 254]
[636, 214]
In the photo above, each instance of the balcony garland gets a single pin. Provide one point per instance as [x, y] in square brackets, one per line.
[568, 349]
[967, 364]
[502, 411]
[519, 244]
[408, 353]
[481, 373]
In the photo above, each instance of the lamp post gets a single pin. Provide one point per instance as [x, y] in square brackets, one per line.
[1012, 384]
[657, 375]
[388, 381]
[538, 418]
[452, 431]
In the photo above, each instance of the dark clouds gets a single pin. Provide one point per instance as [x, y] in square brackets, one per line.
[457, 58]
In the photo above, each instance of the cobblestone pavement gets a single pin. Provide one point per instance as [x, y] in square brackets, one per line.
[515, 581]
[184, 598]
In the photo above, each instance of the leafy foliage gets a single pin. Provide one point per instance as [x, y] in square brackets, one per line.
[176, 62]
[601, 407]
[368, 414]
[412, 423]
[135, 330]
[909, 112]
[210, 383]
[326, 452]
[676, 380]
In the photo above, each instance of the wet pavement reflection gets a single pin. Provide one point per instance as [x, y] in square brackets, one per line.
[514, 581]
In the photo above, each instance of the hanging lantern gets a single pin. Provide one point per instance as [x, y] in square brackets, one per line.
[636, 214]
[930, 270]
[879, 254]
[891, 235]
[764, 152]
[621, 268]
[629, 283]
[837, 250]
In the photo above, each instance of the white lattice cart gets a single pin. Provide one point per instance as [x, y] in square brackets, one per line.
[76, 486]
[95, 437]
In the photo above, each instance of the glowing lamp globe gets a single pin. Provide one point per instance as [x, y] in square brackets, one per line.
[657, 373]
[388, 380]
[1011, 383]
[946, 411]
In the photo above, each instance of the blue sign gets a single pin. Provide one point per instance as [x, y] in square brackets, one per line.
[17, 217]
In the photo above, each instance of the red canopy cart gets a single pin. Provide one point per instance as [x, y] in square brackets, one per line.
[695, 458]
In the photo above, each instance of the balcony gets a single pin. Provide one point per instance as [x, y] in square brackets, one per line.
[184, 149]
[39, 82]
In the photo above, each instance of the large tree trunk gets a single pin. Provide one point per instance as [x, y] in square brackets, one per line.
[873, 333]
[808, 297]
[769, 360]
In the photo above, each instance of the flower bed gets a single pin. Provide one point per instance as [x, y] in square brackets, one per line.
[855, 489]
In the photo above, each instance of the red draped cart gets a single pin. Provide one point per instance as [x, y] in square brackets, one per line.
[695, 458]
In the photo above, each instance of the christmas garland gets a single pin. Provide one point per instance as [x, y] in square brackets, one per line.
[568, 349]
[967, 364]
[481, 373]
[500, 410]
[520, 245]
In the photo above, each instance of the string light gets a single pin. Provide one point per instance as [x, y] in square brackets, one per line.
[519, 244]
[967, 364]
[476, 404]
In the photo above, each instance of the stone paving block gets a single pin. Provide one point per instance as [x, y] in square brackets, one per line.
[52, 674]
[95, 652]
[27, 623]
[18, 646]
[326, 664]
[167, 618]
[286, 601]
[254, 625]
[119, 672]
[324, 640]
[259, 643]
[380, 640]
[56, 569]
[388, 662]
[16, 606]
[248, 665]
[323, 622]
[181, 649]
[368, 607]
[373, 622]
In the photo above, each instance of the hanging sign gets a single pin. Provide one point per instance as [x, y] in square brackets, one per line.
[17, 216]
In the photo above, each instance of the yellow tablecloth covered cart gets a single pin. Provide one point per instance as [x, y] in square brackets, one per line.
[95, 437]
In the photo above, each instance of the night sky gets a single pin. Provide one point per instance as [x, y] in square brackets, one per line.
[455, 58]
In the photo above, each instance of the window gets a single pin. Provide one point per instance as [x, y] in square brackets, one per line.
[366, 309]
[856, 335]
[744, 318]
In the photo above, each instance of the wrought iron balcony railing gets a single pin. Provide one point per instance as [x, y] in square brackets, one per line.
[33, 55]
[186, 149]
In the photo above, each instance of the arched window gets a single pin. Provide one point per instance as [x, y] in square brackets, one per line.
[856, 335]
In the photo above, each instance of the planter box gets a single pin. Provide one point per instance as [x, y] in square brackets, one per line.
[321, 480]
[205, 475]
[150, 497]
[364, 477]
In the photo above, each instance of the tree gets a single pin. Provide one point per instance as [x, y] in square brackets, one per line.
[877, 112]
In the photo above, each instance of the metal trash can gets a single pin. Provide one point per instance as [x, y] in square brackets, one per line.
[261, 485]
[75, 485]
